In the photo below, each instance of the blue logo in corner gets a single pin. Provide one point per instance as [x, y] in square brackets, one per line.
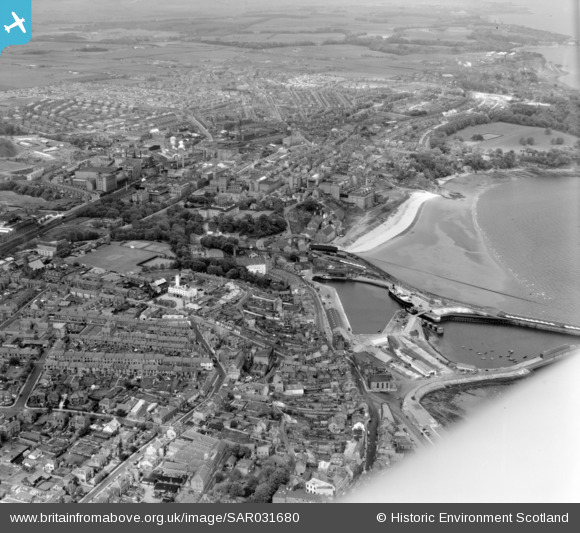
[15, 22]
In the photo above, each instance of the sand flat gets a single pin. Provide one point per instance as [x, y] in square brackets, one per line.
[396, 224]
[445, 252]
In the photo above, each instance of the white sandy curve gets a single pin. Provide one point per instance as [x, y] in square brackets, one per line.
[396, 224]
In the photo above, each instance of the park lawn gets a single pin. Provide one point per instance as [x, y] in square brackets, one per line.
[507, 137]
[116, 258]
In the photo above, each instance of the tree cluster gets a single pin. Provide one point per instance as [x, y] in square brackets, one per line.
[434, 164]
[10, 129]
[35, 190]
[310, 205]
[463, 122]
[176, 227]
[551, 159]
[263, 226]
[560, 115]
[260, 45]
[226, 267]
[226, 244]
[76, 234]
[110, 207]
[269, 481]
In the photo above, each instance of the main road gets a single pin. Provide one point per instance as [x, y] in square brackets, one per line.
[26, 390]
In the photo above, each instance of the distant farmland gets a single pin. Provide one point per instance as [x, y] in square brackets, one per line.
[507, 137]
[287, 38]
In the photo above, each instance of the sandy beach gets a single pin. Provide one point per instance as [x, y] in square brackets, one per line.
[400, 221]
[446, 253]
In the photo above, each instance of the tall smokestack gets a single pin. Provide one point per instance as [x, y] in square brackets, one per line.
[177, 280]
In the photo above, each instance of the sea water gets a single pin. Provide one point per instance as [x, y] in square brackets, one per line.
[533, 227]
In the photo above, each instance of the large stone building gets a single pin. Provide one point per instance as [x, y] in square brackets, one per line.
[53, 248]
[184, 291]
[96, 178]
[363, 198]
[106, 182]
[257, 265]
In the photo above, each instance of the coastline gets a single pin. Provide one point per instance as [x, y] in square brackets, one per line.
[562, 62]
[448, 254]
[338, 303]
[398, 222]
[443, 181]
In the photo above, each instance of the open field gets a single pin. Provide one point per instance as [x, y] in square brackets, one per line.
[281, 37]
[340, 60]
[55, 55]
[507, 136]
[308, 22]
[11, 199]
[350, 19]
[116, 258]
[443, 34]
[62, 64]
[12, 166]
[150, 246]
[158, 262]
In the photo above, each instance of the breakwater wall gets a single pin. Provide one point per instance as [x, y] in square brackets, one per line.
[483, 317]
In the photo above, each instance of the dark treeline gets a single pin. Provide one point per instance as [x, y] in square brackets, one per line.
[10, 129]
[263, 226]
[226, 267]
[27, 189]
[110, 207]
[561, 115]
[175, 228]
[254, 45]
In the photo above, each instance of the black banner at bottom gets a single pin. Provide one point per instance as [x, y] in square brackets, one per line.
[355, 517]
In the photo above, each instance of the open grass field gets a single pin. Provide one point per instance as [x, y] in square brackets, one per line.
[11, 199]
[339, 60]
[507, 137]
[308, 21]
[443, 34]
[116, 258]
[281, 37]
[61, 63]
[159, 262]
[150, 246]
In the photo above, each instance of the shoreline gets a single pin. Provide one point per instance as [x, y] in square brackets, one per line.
[340, 308]
[450, 235]
[400, 221]
[564, 73]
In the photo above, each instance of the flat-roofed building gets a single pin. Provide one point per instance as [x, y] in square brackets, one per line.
[106, 182]
[363, 198]
[53, 248]
[382, 382]
[257, 265]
